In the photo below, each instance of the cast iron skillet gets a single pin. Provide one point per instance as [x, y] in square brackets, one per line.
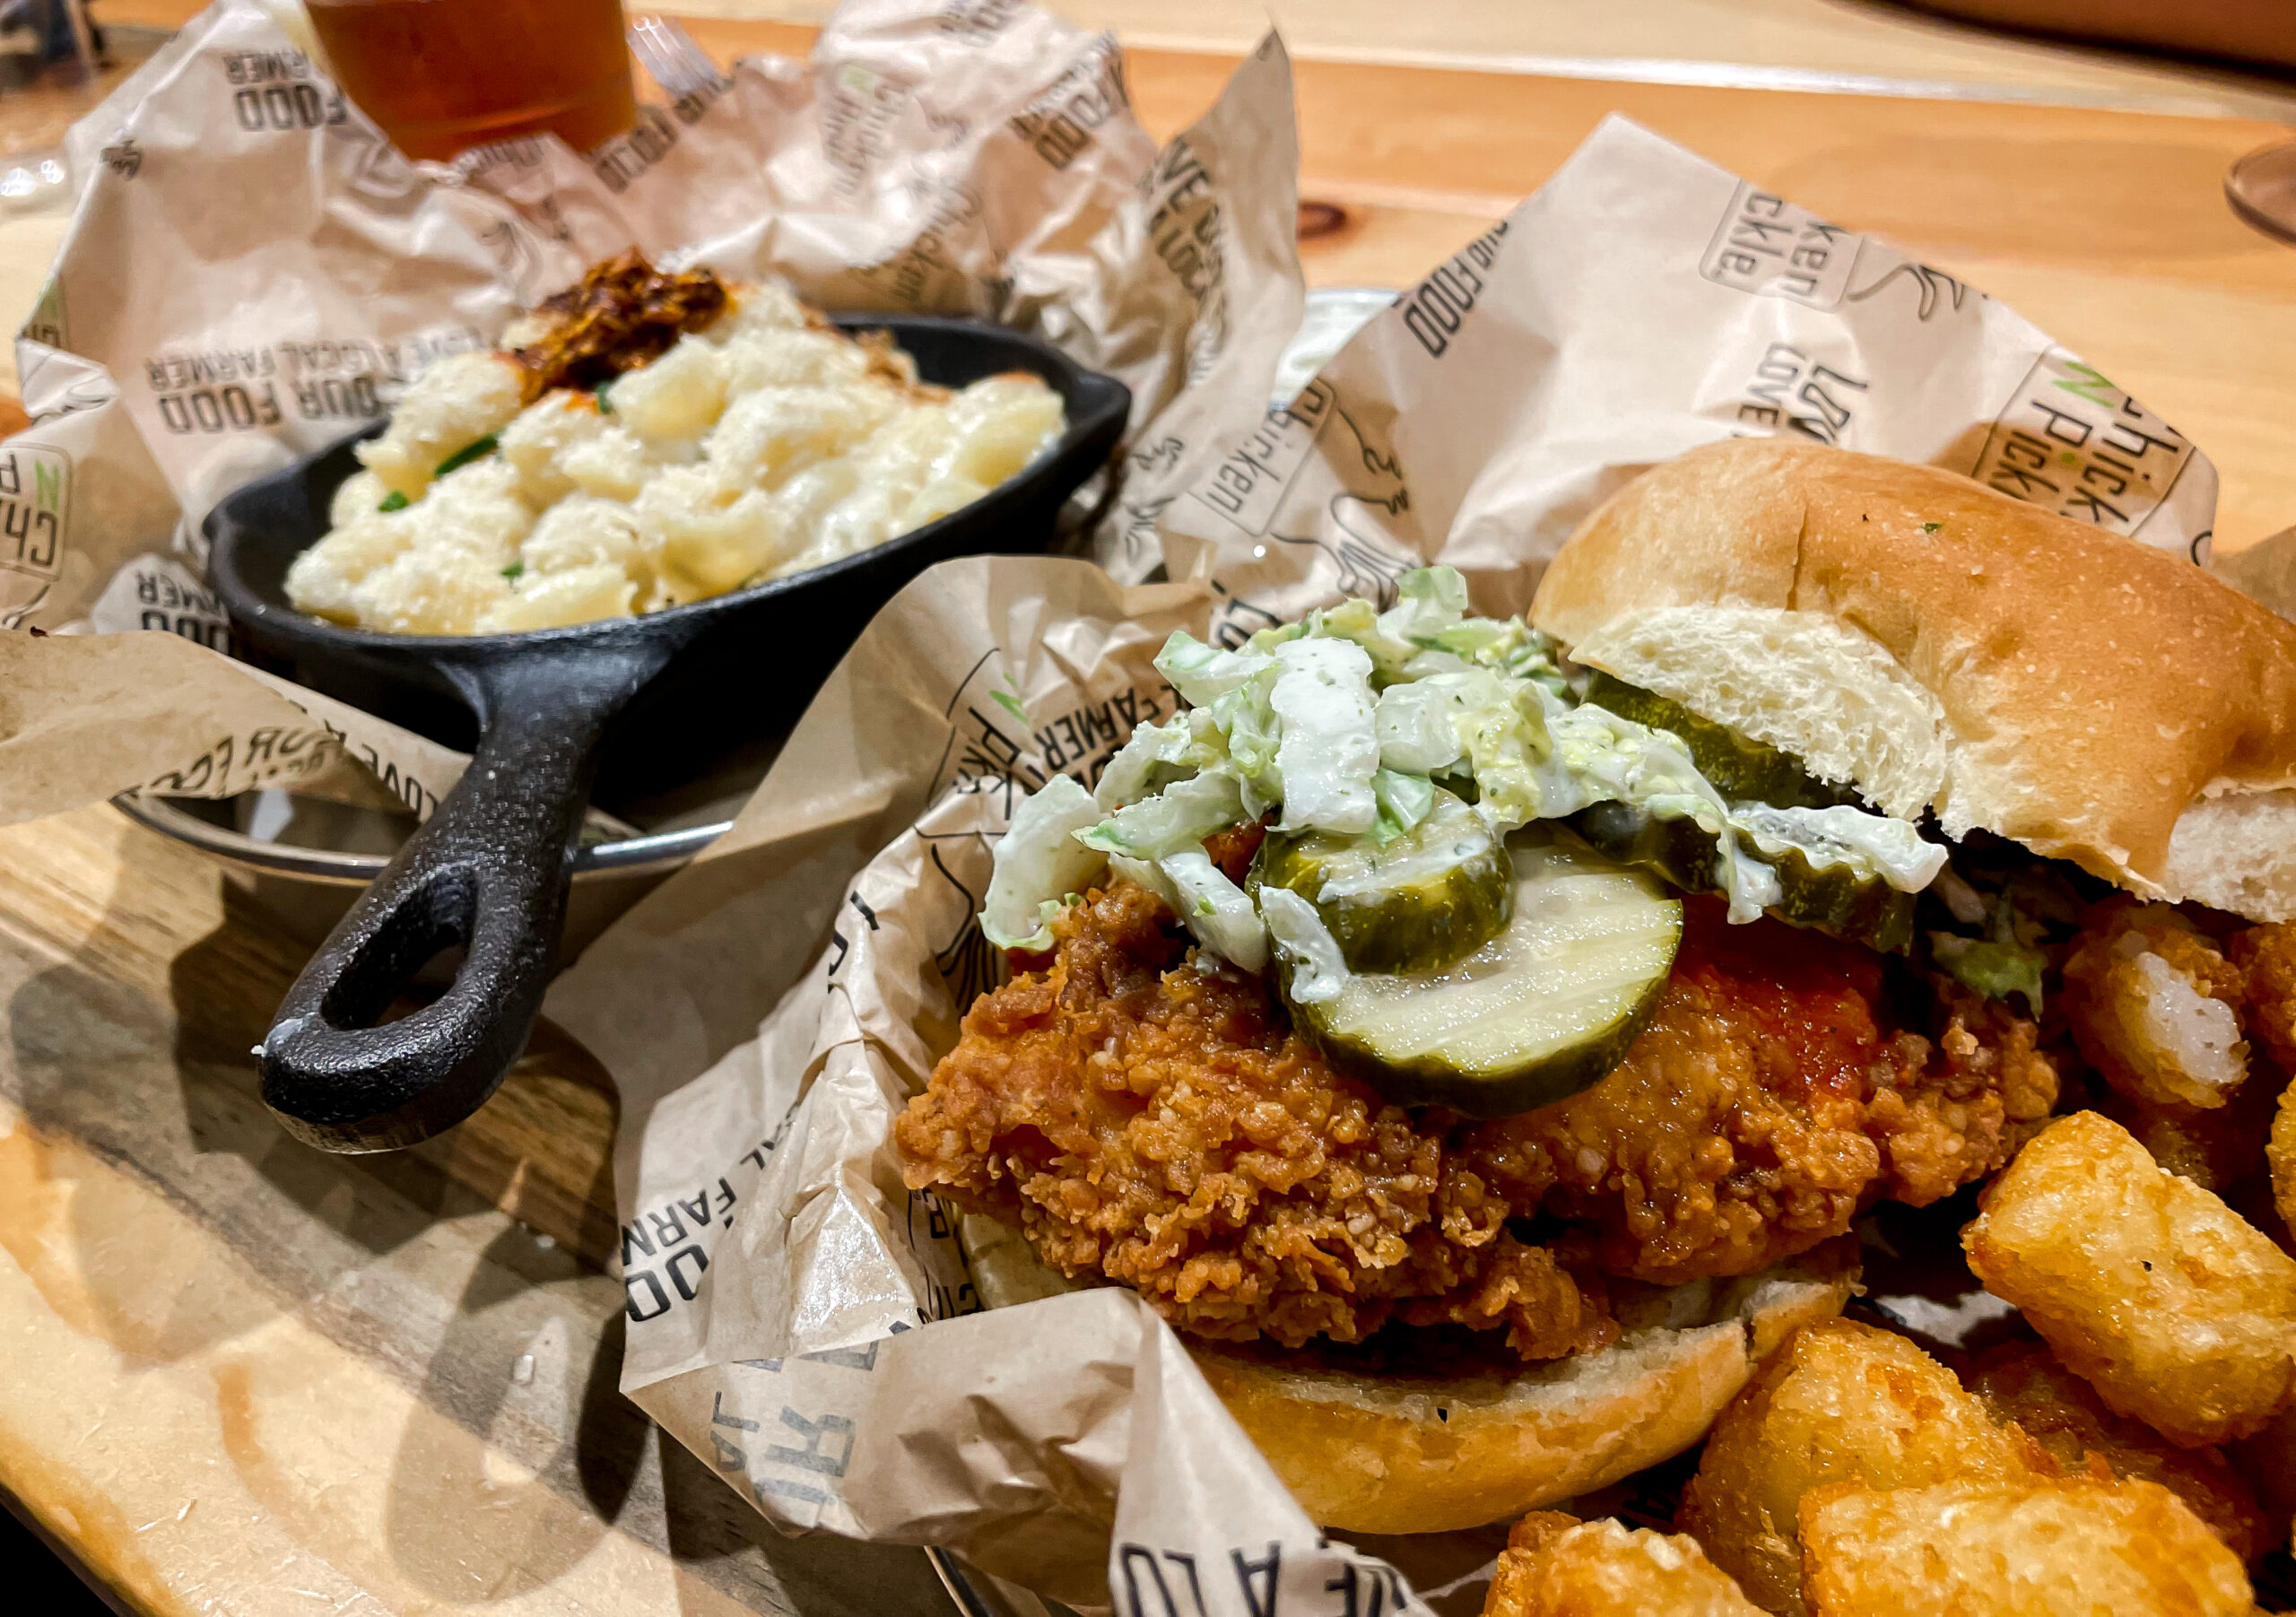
[488, 870]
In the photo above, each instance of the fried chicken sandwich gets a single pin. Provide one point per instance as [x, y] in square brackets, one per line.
[1477, 1036]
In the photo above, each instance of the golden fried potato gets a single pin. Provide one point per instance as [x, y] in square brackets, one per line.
[2280, 1152]
[1555, 1566]
[2178, 1310]
[2266, 956]
[1838, 1402]
[2155, 1007]
[2046, 1547]
[2214, 1147]
[2268, 1462]
[2024, 1382]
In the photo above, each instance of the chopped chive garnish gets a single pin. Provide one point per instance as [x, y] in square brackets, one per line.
[463, 457]
[1931, 528]
[394, 501]
[605, 405]
[514, 569]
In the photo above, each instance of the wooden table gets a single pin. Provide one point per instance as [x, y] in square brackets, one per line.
[243, 1375]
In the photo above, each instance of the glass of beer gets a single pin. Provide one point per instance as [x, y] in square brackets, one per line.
[441, 76]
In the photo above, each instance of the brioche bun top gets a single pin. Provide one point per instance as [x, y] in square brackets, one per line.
[1910, 632]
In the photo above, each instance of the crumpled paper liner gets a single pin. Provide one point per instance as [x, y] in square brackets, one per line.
[1643, 302]
[253, 273]
[777, 1269]
[799, 1318]
[807, 1324]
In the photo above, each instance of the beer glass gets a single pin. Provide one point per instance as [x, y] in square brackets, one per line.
[443, 75]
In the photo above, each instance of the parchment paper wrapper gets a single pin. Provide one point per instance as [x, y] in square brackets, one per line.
[253, 271]
[809, 1326]
[1642, 303]
[797, 1318]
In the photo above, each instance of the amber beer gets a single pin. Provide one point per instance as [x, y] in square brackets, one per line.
[443, 75]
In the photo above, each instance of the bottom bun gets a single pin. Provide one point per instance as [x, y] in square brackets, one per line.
[1397, 1453]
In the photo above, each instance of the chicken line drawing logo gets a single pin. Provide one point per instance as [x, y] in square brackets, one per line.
[1932, 285]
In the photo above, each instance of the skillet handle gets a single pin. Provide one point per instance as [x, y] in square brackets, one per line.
[488, 870]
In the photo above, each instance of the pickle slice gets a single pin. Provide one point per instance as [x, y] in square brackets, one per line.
[1678, 848]
[1541, 1011]
[1435, 894]
[1743, 770]
[1831, 898]
[1835, 899]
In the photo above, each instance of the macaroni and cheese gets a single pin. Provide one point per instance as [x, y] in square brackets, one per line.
[765, 443]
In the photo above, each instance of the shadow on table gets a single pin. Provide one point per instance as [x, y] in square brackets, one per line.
[520, 1457]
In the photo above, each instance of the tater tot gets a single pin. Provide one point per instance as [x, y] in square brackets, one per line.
[2215, 1147]
[2041, 1547]
[2267, 1462]
[2266, 956]
[2280, 1152]
[1555, 1566]
[2024, 1382]
[2179, 1312]
[2154, 1006]
[1838, 1402]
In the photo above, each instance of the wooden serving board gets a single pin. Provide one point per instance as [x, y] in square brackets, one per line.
[242, 1375]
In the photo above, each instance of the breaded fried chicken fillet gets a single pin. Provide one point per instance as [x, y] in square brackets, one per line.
[1147, 1124]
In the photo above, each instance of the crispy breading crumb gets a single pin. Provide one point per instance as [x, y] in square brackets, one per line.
[1149, 1124]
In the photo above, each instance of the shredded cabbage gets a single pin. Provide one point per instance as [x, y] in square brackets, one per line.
[1994, 969]
[1329, 749]
[1350, 722]
[1217, 911]
[1203, 673]
[1414, 725]
[1248, 732]
[1318, 969]
[1126, 776]
[1500, 730]
[1429, 600]
[1179, 817]
[1405, 800]
[1039, 863]
[1147, 873]
[2006, 961]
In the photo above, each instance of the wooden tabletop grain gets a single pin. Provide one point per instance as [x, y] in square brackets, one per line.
[242, 1376]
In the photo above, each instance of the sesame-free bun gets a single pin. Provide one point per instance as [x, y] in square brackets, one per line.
[1367, 1452]
[1910, 632]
